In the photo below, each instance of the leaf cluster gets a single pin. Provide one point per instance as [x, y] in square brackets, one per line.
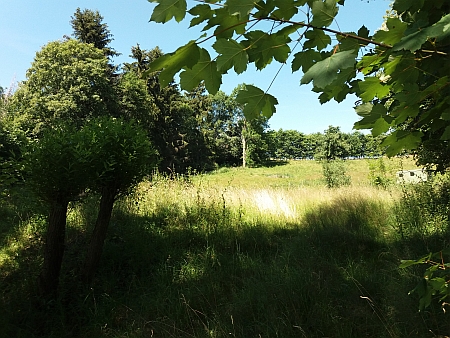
[67, 81]
[105, 151]
[435, 281]
[403, 92]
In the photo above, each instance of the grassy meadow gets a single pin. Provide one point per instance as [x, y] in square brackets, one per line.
[256, 252]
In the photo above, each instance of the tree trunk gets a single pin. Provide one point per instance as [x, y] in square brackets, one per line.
[95, 249]
[244, 148]
[54, 248]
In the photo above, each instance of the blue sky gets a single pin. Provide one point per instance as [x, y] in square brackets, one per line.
[26, 26]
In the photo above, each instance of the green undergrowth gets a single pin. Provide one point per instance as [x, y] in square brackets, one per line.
[185, 259]
[307, 173]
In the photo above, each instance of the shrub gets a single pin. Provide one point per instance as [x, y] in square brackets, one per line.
[379, 173]
[335, 173]
[423, 209]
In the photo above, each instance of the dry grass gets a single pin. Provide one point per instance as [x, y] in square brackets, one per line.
[281, 204]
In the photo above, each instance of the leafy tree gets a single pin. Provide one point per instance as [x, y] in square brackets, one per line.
[356, 145]
[11, 141]
[434, 152]
[133, 100]
[238, 140]
[106, 155]
[257, 141]
[121, 156]
[88, 27]
[405, 67]
[57, 168]
[373, 146]
[335, 173]
[66, 83]
[224, 136]
[71, 111]
[333, 146]
[3, 102]
[199, 148]
[290, 144]
[142, 57]
[313, 142]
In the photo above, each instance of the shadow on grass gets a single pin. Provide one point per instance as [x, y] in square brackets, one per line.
[202, 273]
[274, 163]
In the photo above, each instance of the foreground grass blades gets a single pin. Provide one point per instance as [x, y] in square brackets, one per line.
[190, 259]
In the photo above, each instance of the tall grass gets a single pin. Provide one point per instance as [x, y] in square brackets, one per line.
[189, 257]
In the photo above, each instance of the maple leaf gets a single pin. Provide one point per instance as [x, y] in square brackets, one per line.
[323, 12]
[263, 47]
[324, 72]
[240, 7]
[316, 38]
[395, 32]
[371, 114]
[256, 102]
[226, 24]
[201, 13]
[372, 87]
[404, 5]
[168, 9]
[286, 10]
[170, 64]
[414, 41]
[305, 60]
[405, 111]
[401, 139]
[231, 54]
[204, 70]
[338, 89]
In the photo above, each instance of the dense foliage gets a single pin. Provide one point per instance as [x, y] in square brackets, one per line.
[404, 66]
[67, 82]
[80, 136]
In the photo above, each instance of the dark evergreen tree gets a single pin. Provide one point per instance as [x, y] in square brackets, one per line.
[174, 120]
[199, 149]
[88, 27]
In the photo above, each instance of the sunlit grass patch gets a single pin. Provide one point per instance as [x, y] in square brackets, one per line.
[18, 243]
[295, 174]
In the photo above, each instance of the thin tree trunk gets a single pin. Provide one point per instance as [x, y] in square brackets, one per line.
[95, 249]
[244, 148]
[54, 248]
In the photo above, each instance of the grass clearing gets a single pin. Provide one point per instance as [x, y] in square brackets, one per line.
[302, 173]
[209, 257]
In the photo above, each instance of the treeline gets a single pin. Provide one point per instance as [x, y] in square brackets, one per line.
[331, 144]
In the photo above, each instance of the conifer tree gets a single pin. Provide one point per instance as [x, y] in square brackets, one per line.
[88, 27]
